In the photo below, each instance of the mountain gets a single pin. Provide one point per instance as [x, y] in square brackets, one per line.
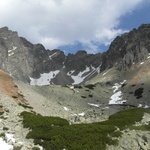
[81, 88]
[34, 64]
[28, 62]
[119, 75]
[129, 48]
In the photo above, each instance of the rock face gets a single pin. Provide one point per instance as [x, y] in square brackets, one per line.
[23, 60]
[34, 64]
[129, 48]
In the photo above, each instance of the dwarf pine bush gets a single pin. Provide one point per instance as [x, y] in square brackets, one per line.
[54, 133]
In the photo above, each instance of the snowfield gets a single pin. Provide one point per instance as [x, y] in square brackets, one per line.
[45, 78]
[80, 77]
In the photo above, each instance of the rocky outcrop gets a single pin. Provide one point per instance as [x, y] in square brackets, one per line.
[128, 49]
[133, 139]
[13, 134]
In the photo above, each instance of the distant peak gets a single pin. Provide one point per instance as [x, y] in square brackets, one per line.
[81, 52]
[4, 28]
[144, 26]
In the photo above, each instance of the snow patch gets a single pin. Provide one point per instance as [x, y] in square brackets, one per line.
[40, 147]
[118, 85]
[10, 138]
[148, 57]
[53, 55]
[71, 87]
[142, 63]
[106, 72]
[146, 106]
[4, 145]
[89, 71]
[95, 105]
[80, 78]
[117, 98]
[11, 54]
[70, 72]
[81, 114]
[45, 78]
[65, 108]
[8, 142]
[123, 82]
[10, 50]
[140, 105]
[98, 69]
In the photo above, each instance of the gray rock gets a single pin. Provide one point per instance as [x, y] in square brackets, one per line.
[17, 128]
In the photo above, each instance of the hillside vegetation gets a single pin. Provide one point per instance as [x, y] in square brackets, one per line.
[56, 133]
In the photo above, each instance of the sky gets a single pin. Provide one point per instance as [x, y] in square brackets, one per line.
[72, 25]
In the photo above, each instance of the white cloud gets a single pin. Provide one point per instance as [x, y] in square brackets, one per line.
[60, 22]
[106, 35]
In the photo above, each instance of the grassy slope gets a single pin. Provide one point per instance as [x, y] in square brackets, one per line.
[54, 133]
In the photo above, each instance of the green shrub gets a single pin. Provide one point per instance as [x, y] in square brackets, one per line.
[90, 95]
[56, 133]
[5, 128]
[142, 127]
[14, 96]
[90, 86]
[78, 86]
[25, 106]
[17, 148]
[83, 96]
[127, 117]
[32, 120]
[35, 148]
[116, 134]
[1, 113]
[138, 93]
[2, 134]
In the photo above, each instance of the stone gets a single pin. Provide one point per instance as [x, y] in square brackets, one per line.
[17, 128]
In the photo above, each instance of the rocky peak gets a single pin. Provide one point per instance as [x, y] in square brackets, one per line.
[3, 31]
[26, 42]
[80, 53]
[129, 48]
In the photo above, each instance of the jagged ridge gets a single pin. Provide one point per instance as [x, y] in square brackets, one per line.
[27, 62]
